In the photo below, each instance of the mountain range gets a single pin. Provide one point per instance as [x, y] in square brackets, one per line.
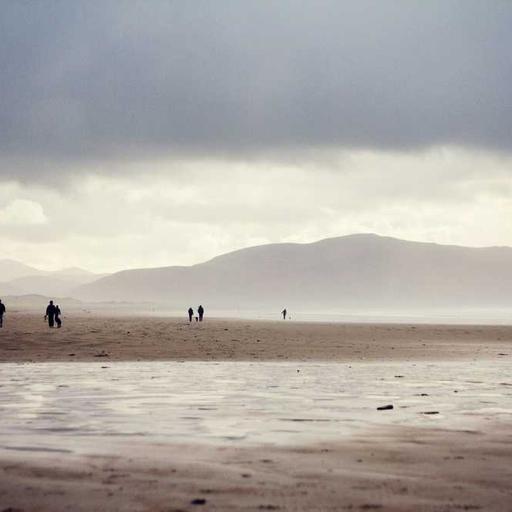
[19, 279]
[355, 271]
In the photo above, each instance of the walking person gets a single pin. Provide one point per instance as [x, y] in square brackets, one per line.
[190, 314]
[200, 311]
[58, 321]
[284, 313]
[2, 311]
[50, 314]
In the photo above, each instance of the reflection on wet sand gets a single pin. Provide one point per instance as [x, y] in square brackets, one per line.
[167, 436]
[81, 406]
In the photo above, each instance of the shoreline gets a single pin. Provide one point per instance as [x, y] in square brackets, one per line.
[424, 319]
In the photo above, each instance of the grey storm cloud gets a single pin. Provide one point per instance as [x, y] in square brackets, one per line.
[87, 80]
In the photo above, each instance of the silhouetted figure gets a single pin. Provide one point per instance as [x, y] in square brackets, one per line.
[284, 313]
[200, 311]
[2, 311]
[190, 314]
[50, 314]
[58, 321]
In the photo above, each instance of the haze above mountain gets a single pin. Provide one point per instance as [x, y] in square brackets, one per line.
[355, 271]
[19, 279]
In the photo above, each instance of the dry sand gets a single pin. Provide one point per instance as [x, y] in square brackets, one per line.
[406, 469]
[86, 338]
[396, 468]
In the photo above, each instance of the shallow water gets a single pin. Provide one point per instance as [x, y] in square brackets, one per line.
[92, 407]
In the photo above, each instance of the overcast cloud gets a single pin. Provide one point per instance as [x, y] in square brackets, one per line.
[152, 133]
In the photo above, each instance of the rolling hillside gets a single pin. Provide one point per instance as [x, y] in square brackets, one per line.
[356, 271]
[19, 279]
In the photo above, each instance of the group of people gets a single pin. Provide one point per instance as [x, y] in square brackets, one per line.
[53, 313]
[200, 314]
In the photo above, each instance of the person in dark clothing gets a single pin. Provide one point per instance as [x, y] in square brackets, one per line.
[200, 311]
[50, 314]
[284, 313]
[190, 314]
[58, 321]
[2, 311]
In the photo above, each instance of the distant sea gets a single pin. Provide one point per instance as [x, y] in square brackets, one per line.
[431, 316]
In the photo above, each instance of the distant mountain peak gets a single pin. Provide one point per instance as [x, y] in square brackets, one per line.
[12, 269]
[17, 278]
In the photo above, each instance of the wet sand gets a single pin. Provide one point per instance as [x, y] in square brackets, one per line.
[87, 338]
[102, 436]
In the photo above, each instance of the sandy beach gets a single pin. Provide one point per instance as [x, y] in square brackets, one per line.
[393, 470]
[26, 337]
[154, 414]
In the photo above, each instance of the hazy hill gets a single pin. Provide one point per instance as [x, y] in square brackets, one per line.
[38, 303]
[10, 269]
[43, 285]
[357, 271]
[19, 279]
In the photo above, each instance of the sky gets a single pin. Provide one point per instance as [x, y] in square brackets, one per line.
[139, 134]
